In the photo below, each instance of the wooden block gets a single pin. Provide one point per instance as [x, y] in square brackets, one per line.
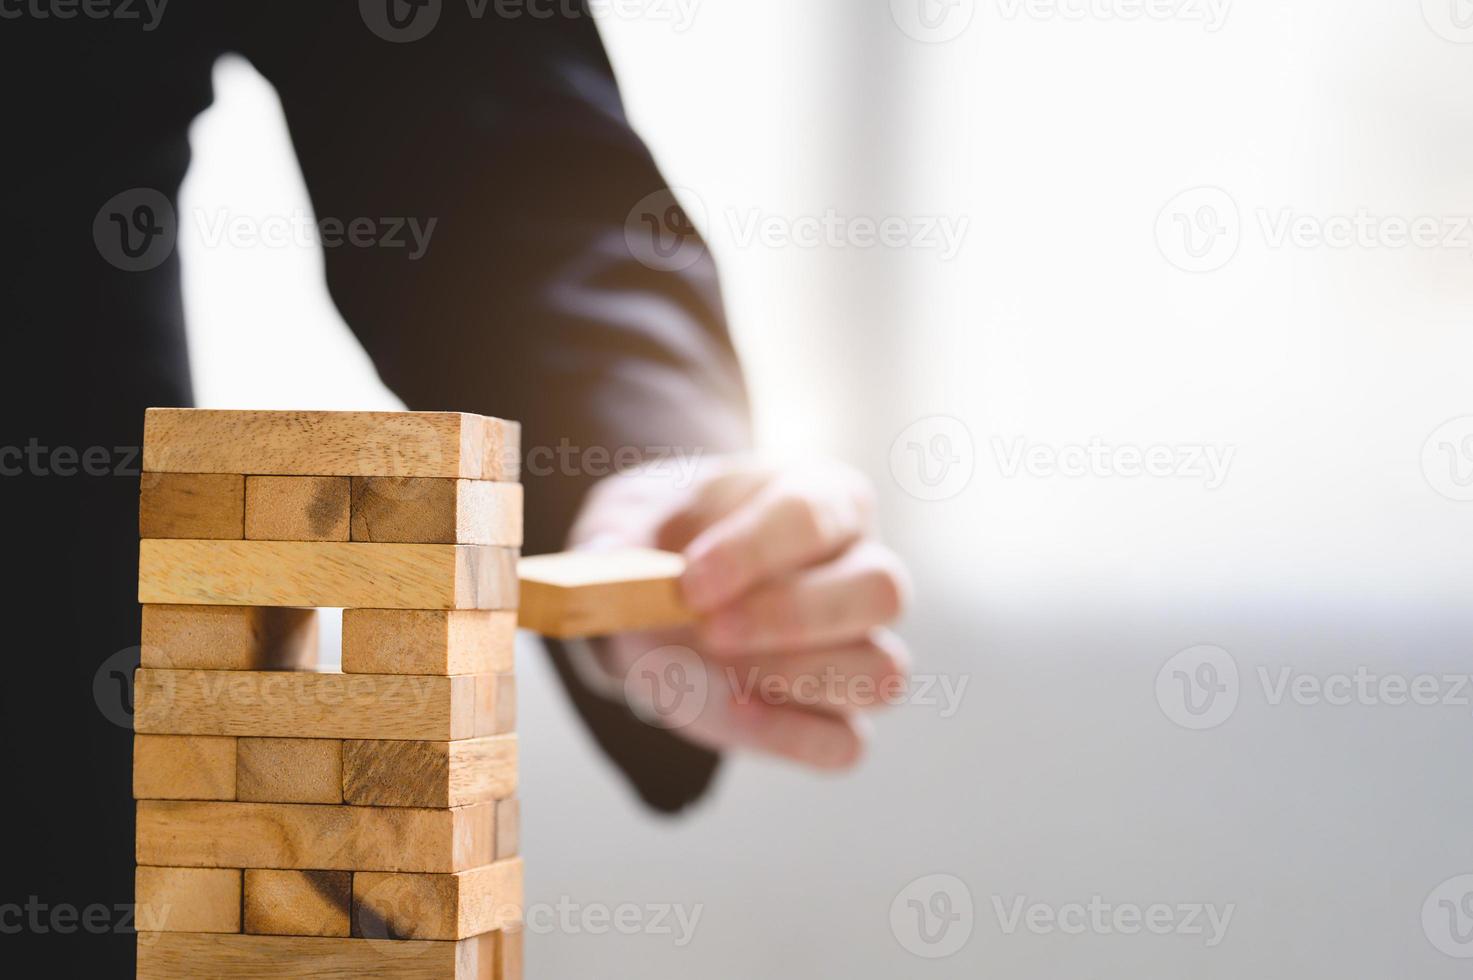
[444, 906]
[496, 704]
[428, 641]
[187, 899]
[508, 828]
[290, 770]
[436, 511]
[508, 954]
[501, 450]
[183, 767]
[191, 505]
[190, 956]
[593, 593]
[327, 573]
[298, 903]
[441, 444]
[429, 774]
[313, 837]
[297, 508]
[229, 637]
[285, 704]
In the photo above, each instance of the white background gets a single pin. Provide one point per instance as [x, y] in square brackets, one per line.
[1059, 133]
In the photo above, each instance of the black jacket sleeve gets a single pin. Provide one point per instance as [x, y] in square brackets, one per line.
[540, 270]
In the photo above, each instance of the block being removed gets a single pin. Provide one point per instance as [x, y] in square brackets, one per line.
[593, 593]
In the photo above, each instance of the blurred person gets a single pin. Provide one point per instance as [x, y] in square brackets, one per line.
[527, 301]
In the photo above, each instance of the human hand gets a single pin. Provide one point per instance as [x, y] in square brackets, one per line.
[793, 591]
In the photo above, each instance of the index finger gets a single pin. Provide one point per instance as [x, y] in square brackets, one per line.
[788, 526]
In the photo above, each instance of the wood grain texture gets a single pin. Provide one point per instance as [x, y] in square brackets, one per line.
[183, 767]
[298, 903]
[495, 704]
[594, 593]
[436, 511]
[509, 955]
[430, 906]
[428, 641]
[289, 770]
[286, 704]
[297, 508]
[229, 637]
[501, 450]
[434, 444]
[187, 899]
[327, 573]
[191, 956]
[429, 774]
[191, 505]
[508, 828]
[313, 837]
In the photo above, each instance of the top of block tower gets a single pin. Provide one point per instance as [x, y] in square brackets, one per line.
[418, 444]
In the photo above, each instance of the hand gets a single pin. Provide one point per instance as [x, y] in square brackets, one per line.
[793, 591]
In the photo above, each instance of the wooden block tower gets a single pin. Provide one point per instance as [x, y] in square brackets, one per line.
[295, 822]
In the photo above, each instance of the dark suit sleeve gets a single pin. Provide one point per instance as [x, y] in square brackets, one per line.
[530, 296]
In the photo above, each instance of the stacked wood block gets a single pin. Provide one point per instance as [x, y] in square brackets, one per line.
[296, 822]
